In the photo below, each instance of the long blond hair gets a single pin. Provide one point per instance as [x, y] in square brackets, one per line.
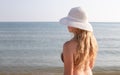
[86, 48]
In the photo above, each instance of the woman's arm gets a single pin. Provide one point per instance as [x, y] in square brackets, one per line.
[68, 60]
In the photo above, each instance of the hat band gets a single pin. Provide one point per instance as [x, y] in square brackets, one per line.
[70, 17]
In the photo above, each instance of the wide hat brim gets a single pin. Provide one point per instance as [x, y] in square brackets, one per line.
[77, 24]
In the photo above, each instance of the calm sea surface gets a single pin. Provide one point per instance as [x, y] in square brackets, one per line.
[40, 43]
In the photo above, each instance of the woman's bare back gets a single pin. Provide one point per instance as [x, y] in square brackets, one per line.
[71, 46]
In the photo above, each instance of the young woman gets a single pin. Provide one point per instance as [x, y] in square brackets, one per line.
[79, 53]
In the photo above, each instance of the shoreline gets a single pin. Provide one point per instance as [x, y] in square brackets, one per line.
[50, 71]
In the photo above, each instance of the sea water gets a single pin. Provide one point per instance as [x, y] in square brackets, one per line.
[41, 43]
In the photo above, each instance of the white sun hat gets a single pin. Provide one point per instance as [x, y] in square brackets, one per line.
[77, 18]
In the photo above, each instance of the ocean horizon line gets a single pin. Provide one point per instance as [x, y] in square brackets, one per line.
[58, 21]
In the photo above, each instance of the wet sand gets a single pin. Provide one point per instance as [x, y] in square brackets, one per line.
[46, 71]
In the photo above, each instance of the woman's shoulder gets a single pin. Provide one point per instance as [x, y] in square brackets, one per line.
[70, 42]
[71, 45]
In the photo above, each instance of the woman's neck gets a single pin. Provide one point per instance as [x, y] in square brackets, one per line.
[74, 38]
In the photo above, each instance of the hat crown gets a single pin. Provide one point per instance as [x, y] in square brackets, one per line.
[78, 14]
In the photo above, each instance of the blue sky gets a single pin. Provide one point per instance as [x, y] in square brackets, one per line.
[53, 10]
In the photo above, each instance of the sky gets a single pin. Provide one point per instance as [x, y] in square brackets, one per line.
[53, 10]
